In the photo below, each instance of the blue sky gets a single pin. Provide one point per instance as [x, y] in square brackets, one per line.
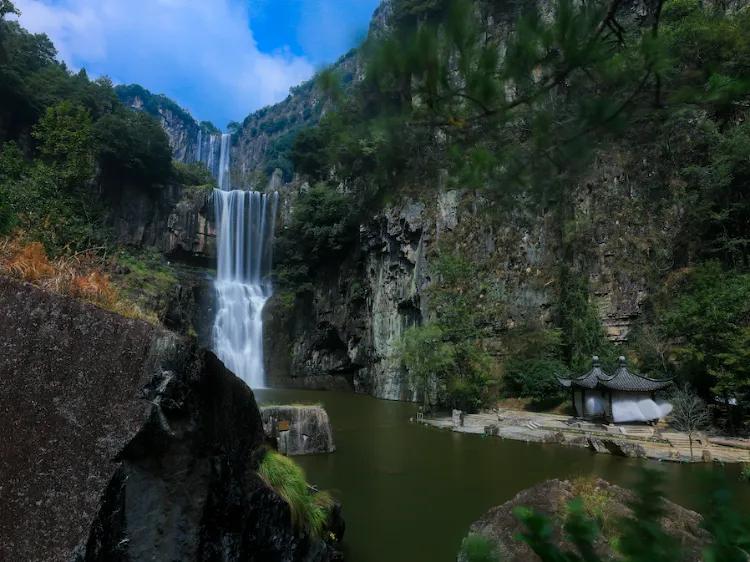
[220, 59]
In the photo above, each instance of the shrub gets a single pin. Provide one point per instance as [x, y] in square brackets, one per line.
[535, 379]
[309, 510]
[582, 332]
[192, 174]
[427, 358]
[476, 548]
[708, 311]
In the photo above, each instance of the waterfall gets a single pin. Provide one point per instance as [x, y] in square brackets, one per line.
[210, 157]
[245, 225]
[223, 179]
[198, 147]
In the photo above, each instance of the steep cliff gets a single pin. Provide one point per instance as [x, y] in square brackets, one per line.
[184, 132]
[346, 329]
[127, 443]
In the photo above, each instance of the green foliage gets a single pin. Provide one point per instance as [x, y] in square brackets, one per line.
[7, 7]
[718, 213]
[476, 548]
[745, 473]
[467, 299]
[582, 333]
[427, 357]
[580, 530]
[153, 104]
[445, 355]
[146, 279]
[643, 537]
[66, 140]
[62, 220]
[729, 530]
[709, 310]
[535, 379]
[193, 174]
[322, 227]
[309, 510]
[133, 145]
[534, 360]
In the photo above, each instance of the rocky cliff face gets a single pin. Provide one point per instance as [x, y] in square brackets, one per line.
[127, 443]
[183, 130]
[347, 330]
[176, 220]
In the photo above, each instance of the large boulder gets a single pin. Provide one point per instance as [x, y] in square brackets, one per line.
[123, 441]
[550, 498]
[299, 429]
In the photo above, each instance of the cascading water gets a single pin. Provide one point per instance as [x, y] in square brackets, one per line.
[245, 224]
[223, 178]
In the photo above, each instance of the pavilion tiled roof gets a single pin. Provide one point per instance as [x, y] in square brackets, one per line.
[622, 379]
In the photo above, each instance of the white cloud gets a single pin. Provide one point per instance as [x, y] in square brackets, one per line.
[199, 52]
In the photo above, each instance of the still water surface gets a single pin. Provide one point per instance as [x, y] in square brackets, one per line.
[410, 492]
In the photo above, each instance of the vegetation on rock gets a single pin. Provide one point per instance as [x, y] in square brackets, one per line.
[309, 509]
[641, 535]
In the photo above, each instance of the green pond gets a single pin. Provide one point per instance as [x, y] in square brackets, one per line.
[410, 492]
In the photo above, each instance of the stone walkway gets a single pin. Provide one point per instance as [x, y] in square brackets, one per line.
[626, 440]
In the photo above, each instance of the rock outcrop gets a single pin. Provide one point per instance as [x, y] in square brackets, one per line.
[124, 441]
[176, 220]
[550, 498]
[298, 429]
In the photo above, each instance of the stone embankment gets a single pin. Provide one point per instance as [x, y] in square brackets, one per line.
[641, 441]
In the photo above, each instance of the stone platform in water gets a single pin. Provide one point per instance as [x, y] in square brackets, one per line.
[299, 429]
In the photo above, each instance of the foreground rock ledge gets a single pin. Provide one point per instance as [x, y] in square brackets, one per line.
[122, 441]
[551, 498]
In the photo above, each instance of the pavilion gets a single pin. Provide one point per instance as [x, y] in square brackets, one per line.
[621, 397]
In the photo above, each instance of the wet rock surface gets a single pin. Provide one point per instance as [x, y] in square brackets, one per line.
[124, 441]
[551, 497]
[298, 429]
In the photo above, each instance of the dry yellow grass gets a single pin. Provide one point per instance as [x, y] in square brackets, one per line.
[82, 275]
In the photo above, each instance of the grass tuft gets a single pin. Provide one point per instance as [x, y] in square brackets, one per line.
[309, 509]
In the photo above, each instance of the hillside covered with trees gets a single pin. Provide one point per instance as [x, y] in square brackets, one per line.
[523, 112]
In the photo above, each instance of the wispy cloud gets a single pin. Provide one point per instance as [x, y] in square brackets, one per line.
[201, 53]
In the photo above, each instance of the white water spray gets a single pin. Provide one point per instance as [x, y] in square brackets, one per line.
[224, 179]
[245, 224]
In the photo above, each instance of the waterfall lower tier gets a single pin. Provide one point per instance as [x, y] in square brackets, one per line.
[238, 330]
[245, 223]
